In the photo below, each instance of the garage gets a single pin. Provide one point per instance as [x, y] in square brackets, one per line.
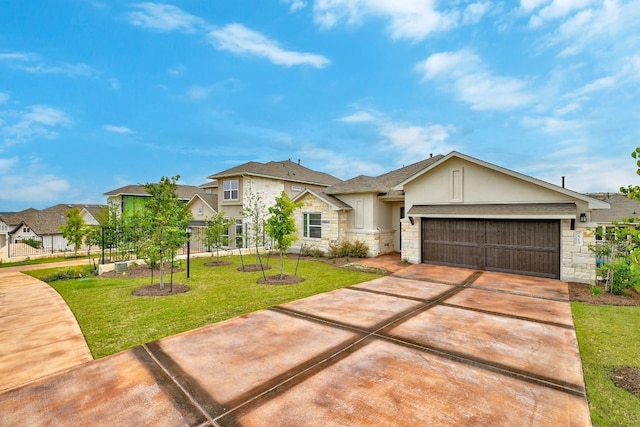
[520, 246]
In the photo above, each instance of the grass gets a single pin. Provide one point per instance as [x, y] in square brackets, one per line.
[608, 337]
[112, 319]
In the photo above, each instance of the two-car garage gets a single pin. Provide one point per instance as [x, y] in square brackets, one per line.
[518, 238]
[529, 247]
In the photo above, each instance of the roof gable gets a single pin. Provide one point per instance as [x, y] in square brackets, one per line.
[184, 192]
[592, 202]
[334, 202]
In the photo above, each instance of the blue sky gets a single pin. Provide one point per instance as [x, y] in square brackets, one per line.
[95, 94]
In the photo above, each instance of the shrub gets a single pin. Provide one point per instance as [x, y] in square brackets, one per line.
[33, 243]
[311, 251]
[70, 273]
[345, 248]
[596, 290]
[622, 275]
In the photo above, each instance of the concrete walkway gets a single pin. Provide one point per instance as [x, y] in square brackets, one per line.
[428, 345]
[39, 335]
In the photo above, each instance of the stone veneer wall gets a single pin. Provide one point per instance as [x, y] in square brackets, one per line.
[410, 250]
[332, 222]
[577, 262]
[379, 242]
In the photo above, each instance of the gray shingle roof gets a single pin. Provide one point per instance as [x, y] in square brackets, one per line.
[621, 207]
[185, 192]
[285, 170]
[48, 221]
[383, 183]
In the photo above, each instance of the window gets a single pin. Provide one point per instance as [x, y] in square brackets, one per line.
[312, 225]
[200, 211]
[239, 233]
[230, 191]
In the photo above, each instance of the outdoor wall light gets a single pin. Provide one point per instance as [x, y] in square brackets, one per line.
[583, 217]
[411, 220]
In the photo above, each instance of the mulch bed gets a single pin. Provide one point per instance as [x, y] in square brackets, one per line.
[254, 267]
[141, 271]
[218, 263]
[284, 280]
[627, 378]
[155, 291]
[582, 292]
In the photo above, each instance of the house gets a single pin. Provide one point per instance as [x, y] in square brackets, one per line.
[236, 186]
[131, 198]
[42, 227]
[460, 211]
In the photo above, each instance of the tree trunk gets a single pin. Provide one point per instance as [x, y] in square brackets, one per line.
[281, 264]
[161, 273]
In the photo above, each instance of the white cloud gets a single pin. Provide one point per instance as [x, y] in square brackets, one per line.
[358, 117]
[557, 9]
[114, 84]
[552, 125]
[35, 64]
[339, 164]
[239, 39]
[410, 141]
[464, 74]
[164, 17]
[26, 183]
[570, 108]
[3, 98]
[198, 92]
[295, 4]
[475, 12]
[35, 122]
[411, 19]
[118, 129]
[177, 70]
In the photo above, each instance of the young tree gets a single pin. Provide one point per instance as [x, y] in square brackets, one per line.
[255, 211]
[633, 191]
[165, 218]
[75, 228]
[281, 225]
[214, 236]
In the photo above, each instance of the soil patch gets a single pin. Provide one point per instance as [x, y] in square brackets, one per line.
[627, 378]
[254, 267]
[218, 263]
[278, 280]
[140, 271]
[582, 292]
[155, 291]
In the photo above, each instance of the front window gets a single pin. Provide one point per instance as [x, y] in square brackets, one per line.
[313, 225]
[239, 233]
[230, 191]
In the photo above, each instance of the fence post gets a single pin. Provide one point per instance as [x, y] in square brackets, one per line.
[102, 245]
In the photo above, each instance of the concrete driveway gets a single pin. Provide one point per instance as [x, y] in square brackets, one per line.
[428, 345]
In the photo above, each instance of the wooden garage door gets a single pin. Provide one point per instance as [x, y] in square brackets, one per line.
[512, 246]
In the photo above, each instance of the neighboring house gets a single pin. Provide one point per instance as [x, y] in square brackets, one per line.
[92, 214]
[621, 208]
[43, 225]
[131, 198]
[460, 211]
[266, 180]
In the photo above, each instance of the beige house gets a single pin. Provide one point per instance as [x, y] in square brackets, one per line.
[236, 187]
[460, 211]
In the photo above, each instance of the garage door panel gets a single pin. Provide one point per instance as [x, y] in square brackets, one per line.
[514, 246]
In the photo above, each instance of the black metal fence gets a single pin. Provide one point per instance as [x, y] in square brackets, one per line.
[114, 244]
[53, 244]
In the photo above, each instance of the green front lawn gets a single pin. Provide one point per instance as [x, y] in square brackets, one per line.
[609, 337]
[112, 319]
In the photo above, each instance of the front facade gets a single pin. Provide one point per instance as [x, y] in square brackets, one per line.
[460, 211]
[255, 184]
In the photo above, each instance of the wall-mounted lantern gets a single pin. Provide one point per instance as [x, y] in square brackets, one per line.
[583, 217]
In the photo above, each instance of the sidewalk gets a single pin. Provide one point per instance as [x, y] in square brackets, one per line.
[39, 334]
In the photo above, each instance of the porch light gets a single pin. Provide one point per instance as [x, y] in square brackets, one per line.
[583, 217]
